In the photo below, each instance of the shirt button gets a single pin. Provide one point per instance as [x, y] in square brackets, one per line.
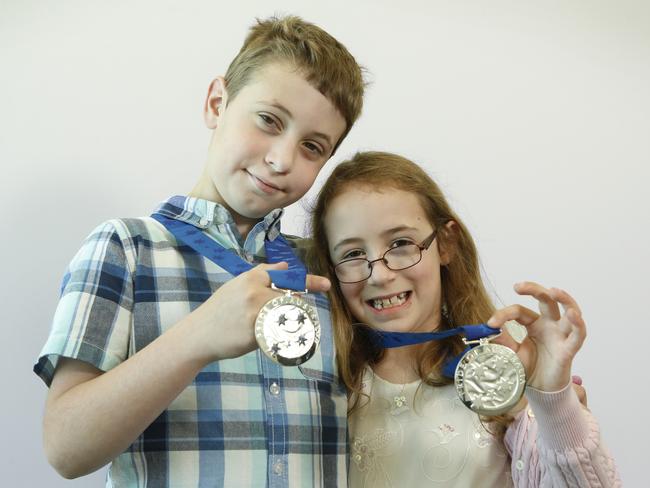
[274, 389]
[531, 414]
[278, 468]
[519, 464]
[203, 221]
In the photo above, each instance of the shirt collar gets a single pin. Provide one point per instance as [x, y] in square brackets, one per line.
[204, 213]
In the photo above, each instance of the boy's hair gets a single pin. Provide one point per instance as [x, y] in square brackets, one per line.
[462, 286]
[324, 62]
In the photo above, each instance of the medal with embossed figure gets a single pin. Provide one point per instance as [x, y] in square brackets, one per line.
[490, 379]
[287, 329]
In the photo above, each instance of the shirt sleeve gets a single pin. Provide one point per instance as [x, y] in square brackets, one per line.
[93, 318]
[556, 442]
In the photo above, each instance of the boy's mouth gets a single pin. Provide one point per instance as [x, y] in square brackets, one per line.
[389, 301]
[266, 186]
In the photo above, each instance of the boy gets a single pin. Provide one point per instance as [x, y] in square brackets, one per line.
[152, 361]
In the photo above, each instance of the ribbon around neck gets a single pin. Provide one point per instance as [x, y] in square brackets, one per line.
[387, 340]
[278, 250]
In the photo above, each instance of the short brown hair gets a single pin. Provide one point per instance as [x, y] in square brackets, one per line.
[324, 62]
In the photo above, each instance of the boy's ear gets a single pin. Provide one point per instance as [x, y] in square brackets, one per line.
[215, 102]
[447, 245]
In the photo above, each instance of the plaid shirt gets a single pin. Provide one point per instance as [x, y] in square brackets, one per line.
[242, 422]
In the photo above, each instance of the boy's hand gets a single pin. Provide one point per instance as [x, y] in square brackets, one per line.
[227, 319]
[553, 338]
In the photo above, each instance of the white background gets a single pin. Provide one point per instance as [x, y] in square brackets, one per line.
[533, 116]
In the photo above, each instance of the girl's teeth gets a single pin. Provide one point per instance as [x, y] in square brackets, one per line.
[382, 303]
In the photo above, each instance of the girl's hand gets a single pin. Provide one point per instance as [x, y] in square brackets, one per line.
[553, 338]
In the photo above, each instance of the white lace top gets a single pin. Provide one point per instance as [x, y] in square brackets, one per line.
[403, 439]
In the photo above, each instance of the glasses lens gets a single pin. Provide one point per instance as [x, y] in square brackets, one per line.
[403, 256]
[352, 270]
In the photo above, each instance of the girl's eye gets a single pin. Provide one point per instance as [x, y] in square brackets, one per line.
[400, 243]
[356, 253]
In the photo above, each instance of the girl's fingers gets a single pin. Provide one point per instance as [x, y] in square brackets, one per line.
[505, 339]
[518, 313]
[581, 393]
[547, 304]
[566, 300]
[579, 328]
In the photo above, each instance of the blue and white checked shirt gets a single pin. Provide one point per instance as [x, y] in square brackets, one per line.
[241, 422]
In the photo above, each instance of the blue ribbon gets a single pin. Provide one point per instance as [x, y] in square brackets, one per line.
[385, 339]
[278, 250]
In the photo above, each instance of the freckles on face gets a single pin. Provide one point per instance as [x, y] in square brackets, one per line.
[363, 223]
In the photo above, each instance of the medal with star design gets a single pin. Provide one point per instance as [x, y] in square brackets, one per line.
[287, 329]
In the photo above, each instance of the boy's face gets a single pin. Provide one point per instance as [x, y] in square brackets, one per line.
[269, 142]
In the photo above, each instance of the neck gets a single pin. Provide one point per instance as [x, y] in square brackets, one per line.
[208, 192]
[399, 365]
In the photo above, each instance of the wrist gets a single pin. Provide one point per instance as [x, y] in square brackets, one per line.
[552, 383]
[195, 343]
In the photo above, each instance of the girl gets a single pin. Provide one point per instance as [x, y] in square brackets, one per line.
[402, 261]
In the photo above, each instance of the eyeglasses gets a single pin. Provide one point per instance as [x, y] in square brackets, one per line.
[355, 270]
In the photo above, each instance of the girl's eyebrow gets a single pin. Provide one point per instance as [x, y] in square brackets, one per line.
[347, 241]
[386, 233]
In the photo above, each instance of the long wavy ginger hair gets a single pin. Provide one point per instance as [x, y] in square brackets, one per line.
[463, 291]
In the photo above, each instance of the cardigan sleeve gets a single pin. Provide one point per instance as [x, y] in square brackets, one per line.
[556, 442]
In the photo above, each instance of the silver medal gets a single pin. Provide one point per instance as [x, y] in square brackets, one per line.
[490, 378]
[287, 329]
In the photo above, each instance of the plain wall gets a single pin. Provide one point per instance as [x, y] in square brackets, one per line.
[533, 116]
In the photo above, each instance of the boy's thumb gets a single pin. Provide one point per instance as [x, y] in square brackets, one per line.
[281, 265]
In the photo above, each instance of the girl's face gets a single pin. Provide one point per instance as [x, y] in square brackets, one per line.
[365, 223]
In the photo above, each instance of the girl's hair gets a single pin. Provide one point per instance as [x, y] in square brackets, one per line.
[463, 292]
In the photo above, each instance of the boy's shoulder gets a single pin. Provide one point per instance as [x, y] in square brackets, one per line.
[130, 228]
[121, 239]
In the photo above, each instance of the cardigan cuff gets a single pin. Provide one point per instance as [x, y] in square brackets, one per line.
[563, 422]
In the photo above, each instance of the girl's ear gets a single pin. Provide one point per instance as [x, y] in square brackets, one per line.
[447, 245]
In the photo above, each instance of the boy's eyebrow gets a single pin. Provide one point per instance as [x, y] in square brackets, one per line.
[386, 233]
[286, 111]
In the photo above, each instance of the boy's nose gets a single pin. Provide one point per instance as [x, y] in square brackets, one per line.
[281, 156]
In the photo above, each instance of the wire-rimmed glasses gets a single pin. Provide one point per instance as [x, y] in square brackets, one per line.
[355, 270]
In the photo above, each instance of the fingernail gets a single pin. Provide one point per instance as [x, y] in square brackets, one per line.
[576, 379]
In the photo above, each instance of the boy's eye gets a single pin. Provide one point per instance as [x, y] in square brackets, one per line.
[314, 148]
[268, 120]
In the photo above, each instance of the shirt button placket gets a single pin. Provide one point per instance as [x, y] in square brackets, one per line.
[278, 471]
